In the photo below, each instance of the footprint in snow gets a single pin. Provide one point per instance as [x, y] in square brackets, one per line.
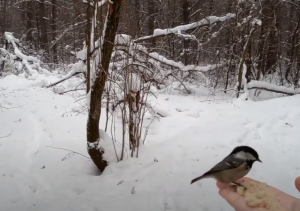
[33, 188]
[288, 124]
[256, 135]
[259, 125]
[167, 206]
[194, 114]
[120, 182]
[50, 137]
[243, 137]
[283, 117]
[169, 203]
[78, 190]
[133, 190]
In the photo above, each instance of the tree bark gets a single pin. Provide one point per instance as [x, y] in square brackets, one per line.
[29, 19]
[186, 20]
[242, 60]
[4, 17]
[43, 25]
[151, 13]
[88, 44]
[268, 38]
[93, 137]
[293, 50]
[37, 43]
[53, 22]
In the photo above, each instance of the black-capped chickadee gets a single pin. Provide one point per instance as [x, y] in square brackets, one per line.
[233, 167]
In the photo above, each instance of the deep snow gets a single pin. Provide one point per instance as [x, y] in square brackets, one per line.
[193, 137]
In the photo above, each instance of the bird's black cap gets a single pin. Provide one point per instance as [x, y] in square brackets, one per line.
[246, 149]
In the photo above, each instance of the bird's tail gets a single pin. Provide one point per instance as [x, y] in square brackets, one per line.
[197, 179]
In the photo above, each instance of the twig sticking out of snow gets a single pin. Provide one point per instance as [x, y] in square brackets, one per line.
[11, 107]
[7, 135]
[69, 151]
[70, 75]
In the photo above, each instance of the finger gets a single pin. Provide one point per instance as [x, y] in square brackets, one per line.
[246, 179]
[297, 183]
[237, 201]
[221, 185]
[234, 199]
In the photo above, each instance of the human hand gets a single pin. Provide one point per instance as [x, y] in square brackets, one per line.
[289, 203]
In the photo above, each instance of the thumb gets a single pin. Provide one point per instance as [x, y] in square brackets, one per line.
[234, 199]
[297, 183]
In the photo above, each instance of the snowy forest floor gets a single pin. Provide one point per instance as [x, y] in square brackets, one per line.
[185, 144]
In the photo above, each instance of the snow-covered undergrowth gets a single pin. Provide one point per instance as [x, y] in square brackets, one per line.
[188, 141]
[28, 66]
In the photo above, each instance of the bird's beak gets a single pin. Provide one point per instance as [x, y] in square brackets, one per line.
[259, 160]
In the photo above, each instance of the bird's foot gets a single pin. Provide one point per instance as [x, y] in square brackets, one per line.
[238, 184]
[233, 187]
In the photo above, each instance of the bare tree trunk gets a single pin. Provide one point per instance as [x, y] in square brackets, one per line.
[186, 20]
[4, 17]
[272, 50]
[88, 44]
[53, 20]
[244, 56]
[293, 40]
[230, 47]
[37, 43]
[296, 52]
[269, 41]
[137, 23]
[211, 7]
[96, 91]
[43, 25]
[29, 19]
[151, 13]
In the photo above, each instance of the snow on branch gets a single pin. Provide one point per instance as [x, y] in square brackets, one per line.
[178, 29]
[124, 40]
[99, 4]
[31, 68]
[181, 66]
[271, 87]
[77, 68]
[81, 55]
[6, 54]
[244, 82]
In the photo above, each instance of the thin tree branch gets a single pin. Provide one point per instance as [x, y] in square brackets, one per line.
[69, 151]
[7, 135]
[64, 79]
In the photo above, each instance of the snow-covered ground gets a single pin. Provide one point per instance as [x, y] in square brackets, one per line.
[189, 141]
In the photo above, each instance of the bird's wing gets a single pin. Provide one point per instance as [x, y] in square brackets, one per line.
[226, 164]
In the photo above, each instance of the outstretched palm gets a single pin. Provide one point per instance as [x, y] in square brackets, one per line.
[289, 203]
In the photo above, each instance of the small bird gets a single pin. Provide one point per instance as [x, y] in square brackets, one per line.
[233, 167]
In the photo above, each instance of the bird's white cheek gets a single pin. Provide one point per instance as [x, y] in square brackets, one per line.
[244, 156]
[240, 155]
